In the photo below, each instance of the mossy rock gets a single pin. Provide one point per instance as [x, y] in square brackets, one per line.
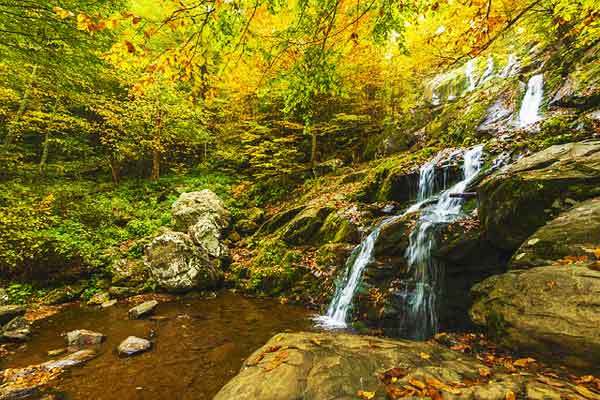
[305, 226]
[515, 202]
[394, 236]
[338, 228]
[278, 220]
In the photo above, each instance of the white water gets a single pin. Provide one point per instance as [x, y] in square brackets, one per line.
[530, 107]
[511, 68]
[489, 70]
[470, 74]
[420, 292]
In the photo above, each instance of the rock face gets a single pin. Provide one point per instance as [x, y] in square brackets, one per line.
[142, 310]
[133, 345]
[552, 310]
[191, 258]
[84, 337]
[575, 233]
[177, 264]
[517, 201]
[305, 226]
[316, 366]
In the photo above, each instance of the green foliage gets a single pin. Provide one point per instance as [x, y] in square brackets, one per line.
[19, 293]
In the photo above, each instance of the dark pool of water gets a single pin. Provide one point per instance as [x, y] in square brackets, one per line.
[197, 349]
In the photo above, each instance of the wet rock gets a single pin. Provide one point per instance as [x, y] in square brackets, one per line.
[98, 299]
[515, 202]
[17, 330]
[206, 233]
[71, 360]
[57, 352]
[142, 310]
[133, 345]
[315, 366]
[393, 239]
[9, 312]
[575, 233]
[18, 392]
[60, 296]
[121, 292]
[551, 310]
[84, 337]
[109, 303]
[339, 228]
[190, 207]
[178, 265]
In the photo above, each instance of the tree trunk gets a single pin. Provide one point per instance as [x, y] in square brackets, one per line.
[313, 149]
[22, 107]
[44, 157]
[115, 170]
[155, 164]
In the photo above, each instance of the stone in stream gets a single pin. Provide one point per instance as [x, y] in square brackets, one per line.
[133, 345]
[57, 352]
[142, 310]
[71, 360]
[109, 303]
[9, 312]
[84, 337]
[17, 330]
[315, 366]
[98, 299]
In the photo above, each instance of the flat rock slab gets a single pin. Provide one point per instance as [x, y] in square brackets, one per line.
[9, 312]
[133, 345]
[143, 310]
[71, 360]
[83, 337]
[317, 366]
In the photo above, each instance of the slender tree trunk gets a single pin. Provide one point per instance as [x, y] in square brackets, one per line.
[313, 149]
[155, 164]
[44, 158]
[156, 146]
[115, 170]
[8, 140]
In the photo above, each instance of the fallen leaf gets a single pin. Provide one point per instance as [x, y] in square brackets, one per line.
[523, 362]
[510, 395]
[365, 395]
[424, 356]
[585, 392]
[417, 383]
[484, 372]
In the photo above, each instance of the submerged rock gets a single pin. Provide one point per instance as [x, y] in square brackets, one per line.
[133, 345]
[71, 360]
[84, 337]
[178, 265]
[142, 310]
[316, 366]
[516, 201]
[552, 310]
[99, 299]
[575, 234]
[17, 330]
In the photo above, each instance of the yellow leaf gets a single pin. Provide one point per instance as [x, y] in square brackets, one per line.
[424, 356]
[510, 395]
[365, 395]
[523, 362]
[62, 13]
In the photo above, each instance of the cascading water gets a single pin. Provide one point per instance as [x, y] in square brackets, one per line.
[489, 70]
[529, 112]
[511, 68]
[470, 74]
[420, 292]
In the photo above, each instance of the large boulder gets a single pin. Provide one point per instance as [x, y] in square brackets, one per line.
[317, 366]
[206, 233]
[191, 206]
[177, 264]
[575, 233]
[304, 227]
[552, 310]
[516, 201]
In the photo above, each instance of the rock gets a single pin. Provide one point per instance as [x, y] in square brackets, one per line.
[177, 265]
[57, 352]
[303, 228]
[133, 345]
[60, 296]
[575, 233]
[246, 226]
[142, 310]
[9, 312]
[17, 330]
[328, 167]
[339, 228]
[128, 273]
[551, 310]
[84, 337]
[98, 299]
[71, 360]
[518, 200]
[393, 239]
[189, 207]
[18, 392]
[4, 297]
[121, 292]
[279, 220]
[316, 366]
[109, 303]
[206, 233]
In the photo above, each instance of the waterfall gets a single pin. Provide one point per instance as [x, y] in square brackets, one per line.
[421, 300]
[489, 70]
[419, 294]
[470, 74]
[511, 68]
[529, 112]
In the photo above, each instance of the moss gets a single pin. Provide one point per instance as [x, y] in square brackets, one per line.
[496, 325]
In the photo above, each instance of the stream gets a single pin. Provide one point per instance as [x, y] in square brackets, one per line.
[198, 347]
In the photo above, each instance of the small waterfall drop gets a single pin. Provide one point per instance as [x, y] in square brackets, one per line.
[419, 294]
[529, 112]
[470, 74]
[511, 68]
[489, 70]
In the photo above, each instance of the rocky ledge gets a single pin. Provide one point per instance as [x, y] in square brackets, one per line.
[341, 366]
